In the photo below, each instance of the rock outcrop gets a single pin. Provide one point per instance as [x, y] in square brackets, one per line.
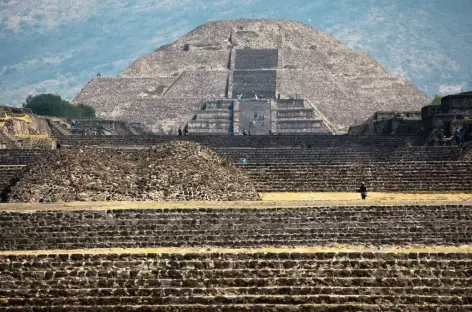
[167, 87]
[171, 171]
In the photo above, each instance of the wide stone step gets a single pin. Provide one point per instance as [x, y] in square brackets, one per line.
[246, 141]
[243, 299]
[214, 115]
[237, 227]
[177, 277]
[232, 291]
[259, 307]
[236, 268]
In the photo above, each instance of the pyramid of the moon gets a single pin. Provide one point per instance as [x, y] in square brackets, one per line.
[197, 80]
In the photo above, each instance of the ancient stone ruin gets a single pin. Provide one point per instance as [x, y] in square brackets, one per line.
[253, 255]
[94, 126]
[428, 125]
[171, 171]
[305, 82]
[243, 256]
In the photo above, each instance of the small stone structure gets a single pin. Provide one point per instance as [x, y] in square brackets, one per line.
[93, 127]
[454, 112]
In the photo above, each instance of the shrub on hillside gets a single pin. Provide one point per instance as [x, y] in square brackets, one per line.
[54, 105]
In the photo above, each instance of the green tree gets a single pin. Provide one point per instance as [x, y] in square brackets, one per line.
[54, 105]
[87, 111]
[436, 100]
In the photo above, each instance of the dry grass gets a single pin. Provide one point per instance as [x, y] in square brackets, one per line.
[269, 200]
[311, 249]
[371, 197]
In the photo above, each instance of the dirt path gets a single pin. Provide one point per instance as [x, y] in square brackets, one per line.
[269, 200]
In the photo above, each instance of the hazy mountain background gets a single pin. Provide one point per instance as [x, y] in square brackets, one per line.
[56, 46]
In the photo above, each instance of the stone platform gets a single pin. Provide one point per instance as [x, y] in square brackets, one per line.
[238, 256]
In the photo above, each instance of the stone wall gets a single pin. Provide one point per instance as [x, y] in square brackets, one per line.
[247, 141]
[409, 176]
[159, 64]
[237, 282]
[429, 111]
[8, 176]
[257, 82]
[199, 84]
[256, 59]
[457, 103]
[216, 117]
[161, 115]
[353, 154]
[236, 227]
[19, 156]
[345, 98]
[116, 88]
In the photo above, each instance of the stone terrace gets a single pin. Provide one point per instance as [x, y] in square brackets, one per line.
[198, 84]
[256, 59]
[319, 141]
[410, 176]
[357, 256]
[237, 227]
[339, 154]
[8, 174]
[288, 281]
[223, 278]
[160, 64]
[255, 82]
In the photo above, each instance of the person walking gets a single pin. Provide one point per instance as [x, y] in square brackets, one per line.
[363, 191]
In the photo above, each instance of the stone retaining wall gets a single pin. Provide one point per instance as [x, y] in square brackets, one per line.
[256, 82]
[342, 281]
[246, 141]
[19, 156]
[411, 176]
[256, 59]
[339, 154]
[238, 227]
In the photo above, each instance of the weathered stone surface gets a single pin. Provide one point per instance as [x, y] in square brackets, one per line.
[374, 225]
[171, 171]
[344, 85]
[223, 282]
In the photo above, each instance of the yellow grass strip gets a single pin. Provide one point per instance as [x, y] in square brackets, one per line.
[312, 249]
[371, 196]
[270, 200]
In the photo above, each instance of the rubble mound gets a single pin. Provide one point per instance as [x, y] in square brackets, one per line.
[171, 171]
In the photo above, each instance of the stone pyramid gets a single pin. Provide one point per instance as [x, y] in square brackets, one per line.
[166, 88]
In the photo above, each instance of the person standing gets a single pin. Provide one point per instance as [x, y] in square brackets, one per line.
[363, 191]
